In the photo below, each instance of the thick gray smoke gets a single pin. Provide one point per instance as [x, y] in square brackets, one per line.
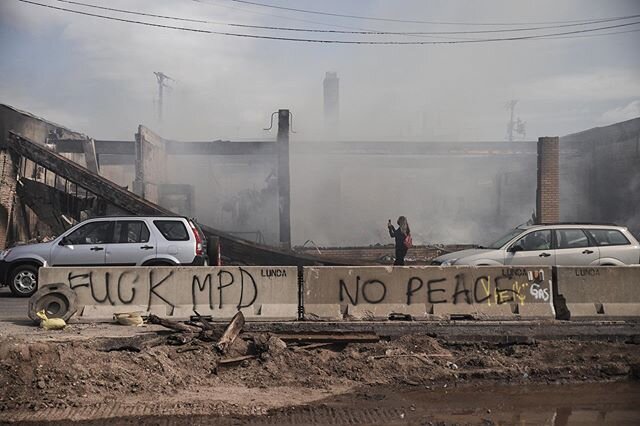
[96, 76]
[340, 198]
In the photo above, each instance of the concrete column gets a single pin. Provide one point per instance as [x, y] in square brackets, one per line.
[548, 191]
[284, 184]
[150, 164]
[138, 175]
[90, 157]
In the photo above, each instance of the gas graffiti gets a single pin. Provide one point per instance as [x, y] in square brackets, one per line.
[509, 287]
[539, 293]
[216, 287]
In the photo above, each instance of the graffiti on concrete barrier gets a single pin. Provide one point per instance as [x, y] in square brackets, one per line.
[586, 272]
[372, 291]
[224, 279]
[538, 292]
[233, 287]
[273, 272]
[512, 286]
[536, 276]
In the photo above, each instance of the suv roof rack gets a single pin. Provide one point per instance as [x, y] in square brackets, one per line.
[115, 216]
[576, 223]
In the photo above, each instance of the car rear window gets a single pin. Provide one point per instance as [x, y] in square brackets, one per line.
[608, 237]
[571, 238]
[172, 230]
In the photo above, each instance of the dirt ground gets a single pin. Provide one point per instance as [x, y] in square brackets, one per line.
[63, 376]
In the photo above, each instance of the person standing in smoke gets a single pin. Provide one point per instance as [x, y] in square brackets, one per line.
[403, 239]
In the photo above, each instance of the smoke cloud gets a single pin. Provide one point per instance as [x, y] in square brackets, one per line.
[97, 77]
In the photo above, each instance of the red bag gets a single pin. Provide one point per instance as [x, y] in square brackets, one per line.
[408, 241]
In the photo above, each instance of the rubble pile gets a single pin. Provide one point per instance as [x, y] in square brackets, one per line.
[79, 372]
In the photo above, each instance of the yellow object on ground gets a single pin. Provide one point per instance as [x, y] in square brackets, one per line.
[50, 323]
[129, 318]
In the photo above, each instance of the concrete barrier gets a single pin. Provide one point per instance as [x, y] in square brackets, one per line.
[176, 292]
[428, 292]
[599, 292]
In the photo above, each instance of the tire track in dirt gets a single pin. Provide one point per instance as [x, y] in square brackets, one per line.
[112, 411]
[119, 413]
[333, 416]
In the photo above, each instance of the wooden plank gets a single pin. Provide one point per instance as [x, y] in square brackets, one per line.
[331, 337]
[313, 346]
[235, 360]
[231, 333]
[173, 325]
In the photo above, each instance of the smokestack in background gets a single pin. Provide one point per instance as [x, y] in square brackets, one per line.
[331, 103]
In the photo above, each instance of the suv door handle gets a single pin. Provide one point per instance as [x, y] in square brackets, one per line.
[146, 247]
[544, 255]
[587, 251]
[96, 248]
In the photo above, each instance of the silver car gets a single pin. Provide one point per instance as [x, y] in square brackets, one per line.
[551, 245]
[104, 241]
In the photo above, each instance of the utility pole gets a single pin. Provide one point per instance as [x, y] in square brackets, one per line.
[331, 85]
[511, 124]
[515, 124]
[161, 77]
[284, 202]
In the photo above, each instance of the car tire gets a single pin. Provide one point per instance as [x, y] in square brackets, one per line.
[23, 281]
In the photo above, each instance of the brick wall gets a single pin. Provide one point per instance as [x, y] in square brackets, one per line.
[548, 192]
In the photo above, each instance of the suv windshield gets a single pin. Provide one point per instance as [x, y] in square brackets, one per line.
[503, 240]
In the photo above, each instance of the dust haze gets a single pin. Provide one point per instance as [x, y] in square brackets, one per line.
[97, 77]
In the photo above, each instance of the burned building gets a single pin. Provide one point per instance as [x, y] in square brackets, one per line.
[342, 193]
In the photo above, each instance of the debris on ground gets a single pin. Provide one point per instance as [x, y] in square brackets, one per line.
[65, 372]
[184, 359]
[231, 332]
[129, 318]
[50, 323]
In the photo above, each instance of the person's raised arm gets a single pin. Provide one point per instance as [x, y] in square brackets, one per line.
[392, 231]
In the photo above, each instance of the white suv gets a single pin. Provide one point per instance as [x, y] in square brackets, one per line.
[107, 241]
[553, 245]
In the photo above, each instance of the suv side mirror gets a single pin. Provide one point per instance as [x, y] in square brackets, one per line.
[516, 248]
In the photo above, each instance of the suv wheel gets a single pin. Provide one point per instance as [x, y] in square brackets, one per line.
[24, 280]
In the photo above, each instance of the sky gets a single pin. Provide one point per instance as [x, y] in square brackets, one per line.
[96, 76]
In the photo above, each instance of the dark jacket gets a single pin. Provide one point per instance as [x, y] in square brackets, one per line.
[401, 249]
